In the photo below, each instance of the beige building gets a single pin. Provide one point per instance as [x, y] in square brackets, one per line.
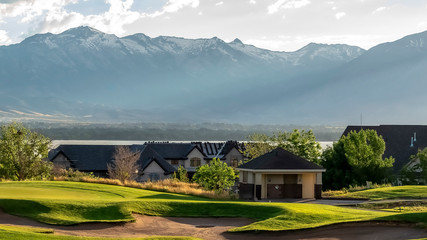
[280, 174]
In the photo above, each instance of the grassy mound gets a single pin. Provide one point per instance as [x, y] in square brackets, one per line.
[68, 203]
[397, 192]
[25, 233]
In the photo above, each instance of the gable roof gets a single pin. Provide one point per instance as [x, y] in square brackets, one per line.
[175, 151]
[280, 159]
[86, 157]
[217, 149]
[149, 155]
[55, 154]
[397, 140]
[96, 157]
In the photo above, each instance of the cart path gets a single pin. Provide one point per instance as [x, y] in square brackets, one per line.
[216, 228]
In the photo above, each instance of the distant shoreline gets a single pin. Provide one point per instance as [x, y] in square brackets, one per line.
[323, 144]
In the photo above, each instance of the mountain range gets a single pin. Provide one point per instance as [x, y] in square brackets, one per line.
[83, 74]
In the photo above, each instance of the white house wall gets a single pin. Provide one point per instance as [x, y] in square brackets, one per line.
[234, 153]
[192, 154]
[153, 168]
[61, 161]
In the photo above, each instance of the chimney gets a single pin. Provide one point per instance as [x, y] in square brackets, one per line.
[412, 142]
[415, 136]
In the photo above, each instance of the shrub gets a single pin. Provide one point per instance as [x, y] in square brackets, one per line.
[215, 176]
[62, 174]
[181, 174]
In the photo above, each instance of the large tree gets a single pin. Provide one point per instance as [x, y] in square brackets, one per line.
[124, 166]
[23, 153]
[302, 143]
[215, 176]
[355, 159]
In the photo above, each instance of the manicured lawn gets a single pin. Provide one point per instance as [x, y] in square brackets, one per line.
[23, 233]
[397, 192]
[71, 203]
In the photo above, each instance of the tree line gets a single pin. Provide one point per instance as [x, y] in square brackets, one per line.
[354, 159]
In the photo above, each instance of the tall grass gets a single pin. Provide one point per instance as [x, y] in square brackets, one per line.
[165, 185]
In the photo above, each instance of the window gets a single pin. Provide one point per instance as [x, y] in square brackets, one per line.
[174, 162]
[245, 176]
[234, 163]
[195, 162]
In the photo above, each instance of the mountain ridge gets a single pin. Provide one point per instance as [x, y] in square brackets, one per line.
[84, 72]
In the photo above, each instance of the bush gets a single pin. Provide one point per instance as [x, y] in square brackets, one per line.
[181, 174]
[215, 176]
[62, 174]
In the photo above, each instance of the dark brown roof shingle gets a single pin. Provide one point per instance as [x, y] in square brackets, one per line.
[280, 159]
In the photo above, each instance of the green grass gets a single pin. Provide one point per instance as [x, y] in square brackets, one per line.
[402, 206]
[398, 192]
[68, 203]
[26, 233]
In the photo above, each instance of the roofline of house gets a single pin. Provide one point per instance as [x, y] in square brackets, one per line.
[281, 170]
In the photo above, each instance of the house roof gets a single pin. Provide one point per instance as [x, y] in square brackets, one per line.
[397, 139]
[96, 157]
[149, 155]
[217, 149]
[86, 157]
[280, 159]
[176, 151]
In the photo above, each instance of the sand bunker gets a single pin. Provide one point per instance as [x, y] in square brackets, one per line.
[216, 229]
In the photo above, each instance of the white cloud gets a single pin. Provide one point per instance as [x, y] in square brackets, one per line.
[422, 25]
[112, 21]
[119, 6]
[219, 3]
[252, 2]
[284, 4]
[340, 15]
[176, 5]
[4, 38]
[380, 9]
[29, 9]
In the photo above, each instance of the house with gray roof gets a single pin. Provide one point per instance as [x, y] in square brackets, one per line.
[280, 174]
[401, 141]
[158, 160]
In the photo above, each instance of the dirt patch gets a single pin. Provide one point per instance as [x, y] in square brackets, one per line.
[216, 228]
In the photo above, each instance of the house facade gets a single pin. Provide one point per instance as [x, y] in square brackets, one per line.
[280, 174]
[157, 160]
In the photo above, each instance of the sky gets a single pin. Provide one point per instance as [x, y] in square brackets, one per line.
[280, 25]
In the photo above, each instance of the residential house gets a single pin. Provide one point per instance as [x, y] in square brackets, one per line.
[158, 160]
[401, 141]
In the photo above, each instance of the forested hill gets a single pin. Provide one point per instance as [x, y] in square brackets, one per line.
[172, 132]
